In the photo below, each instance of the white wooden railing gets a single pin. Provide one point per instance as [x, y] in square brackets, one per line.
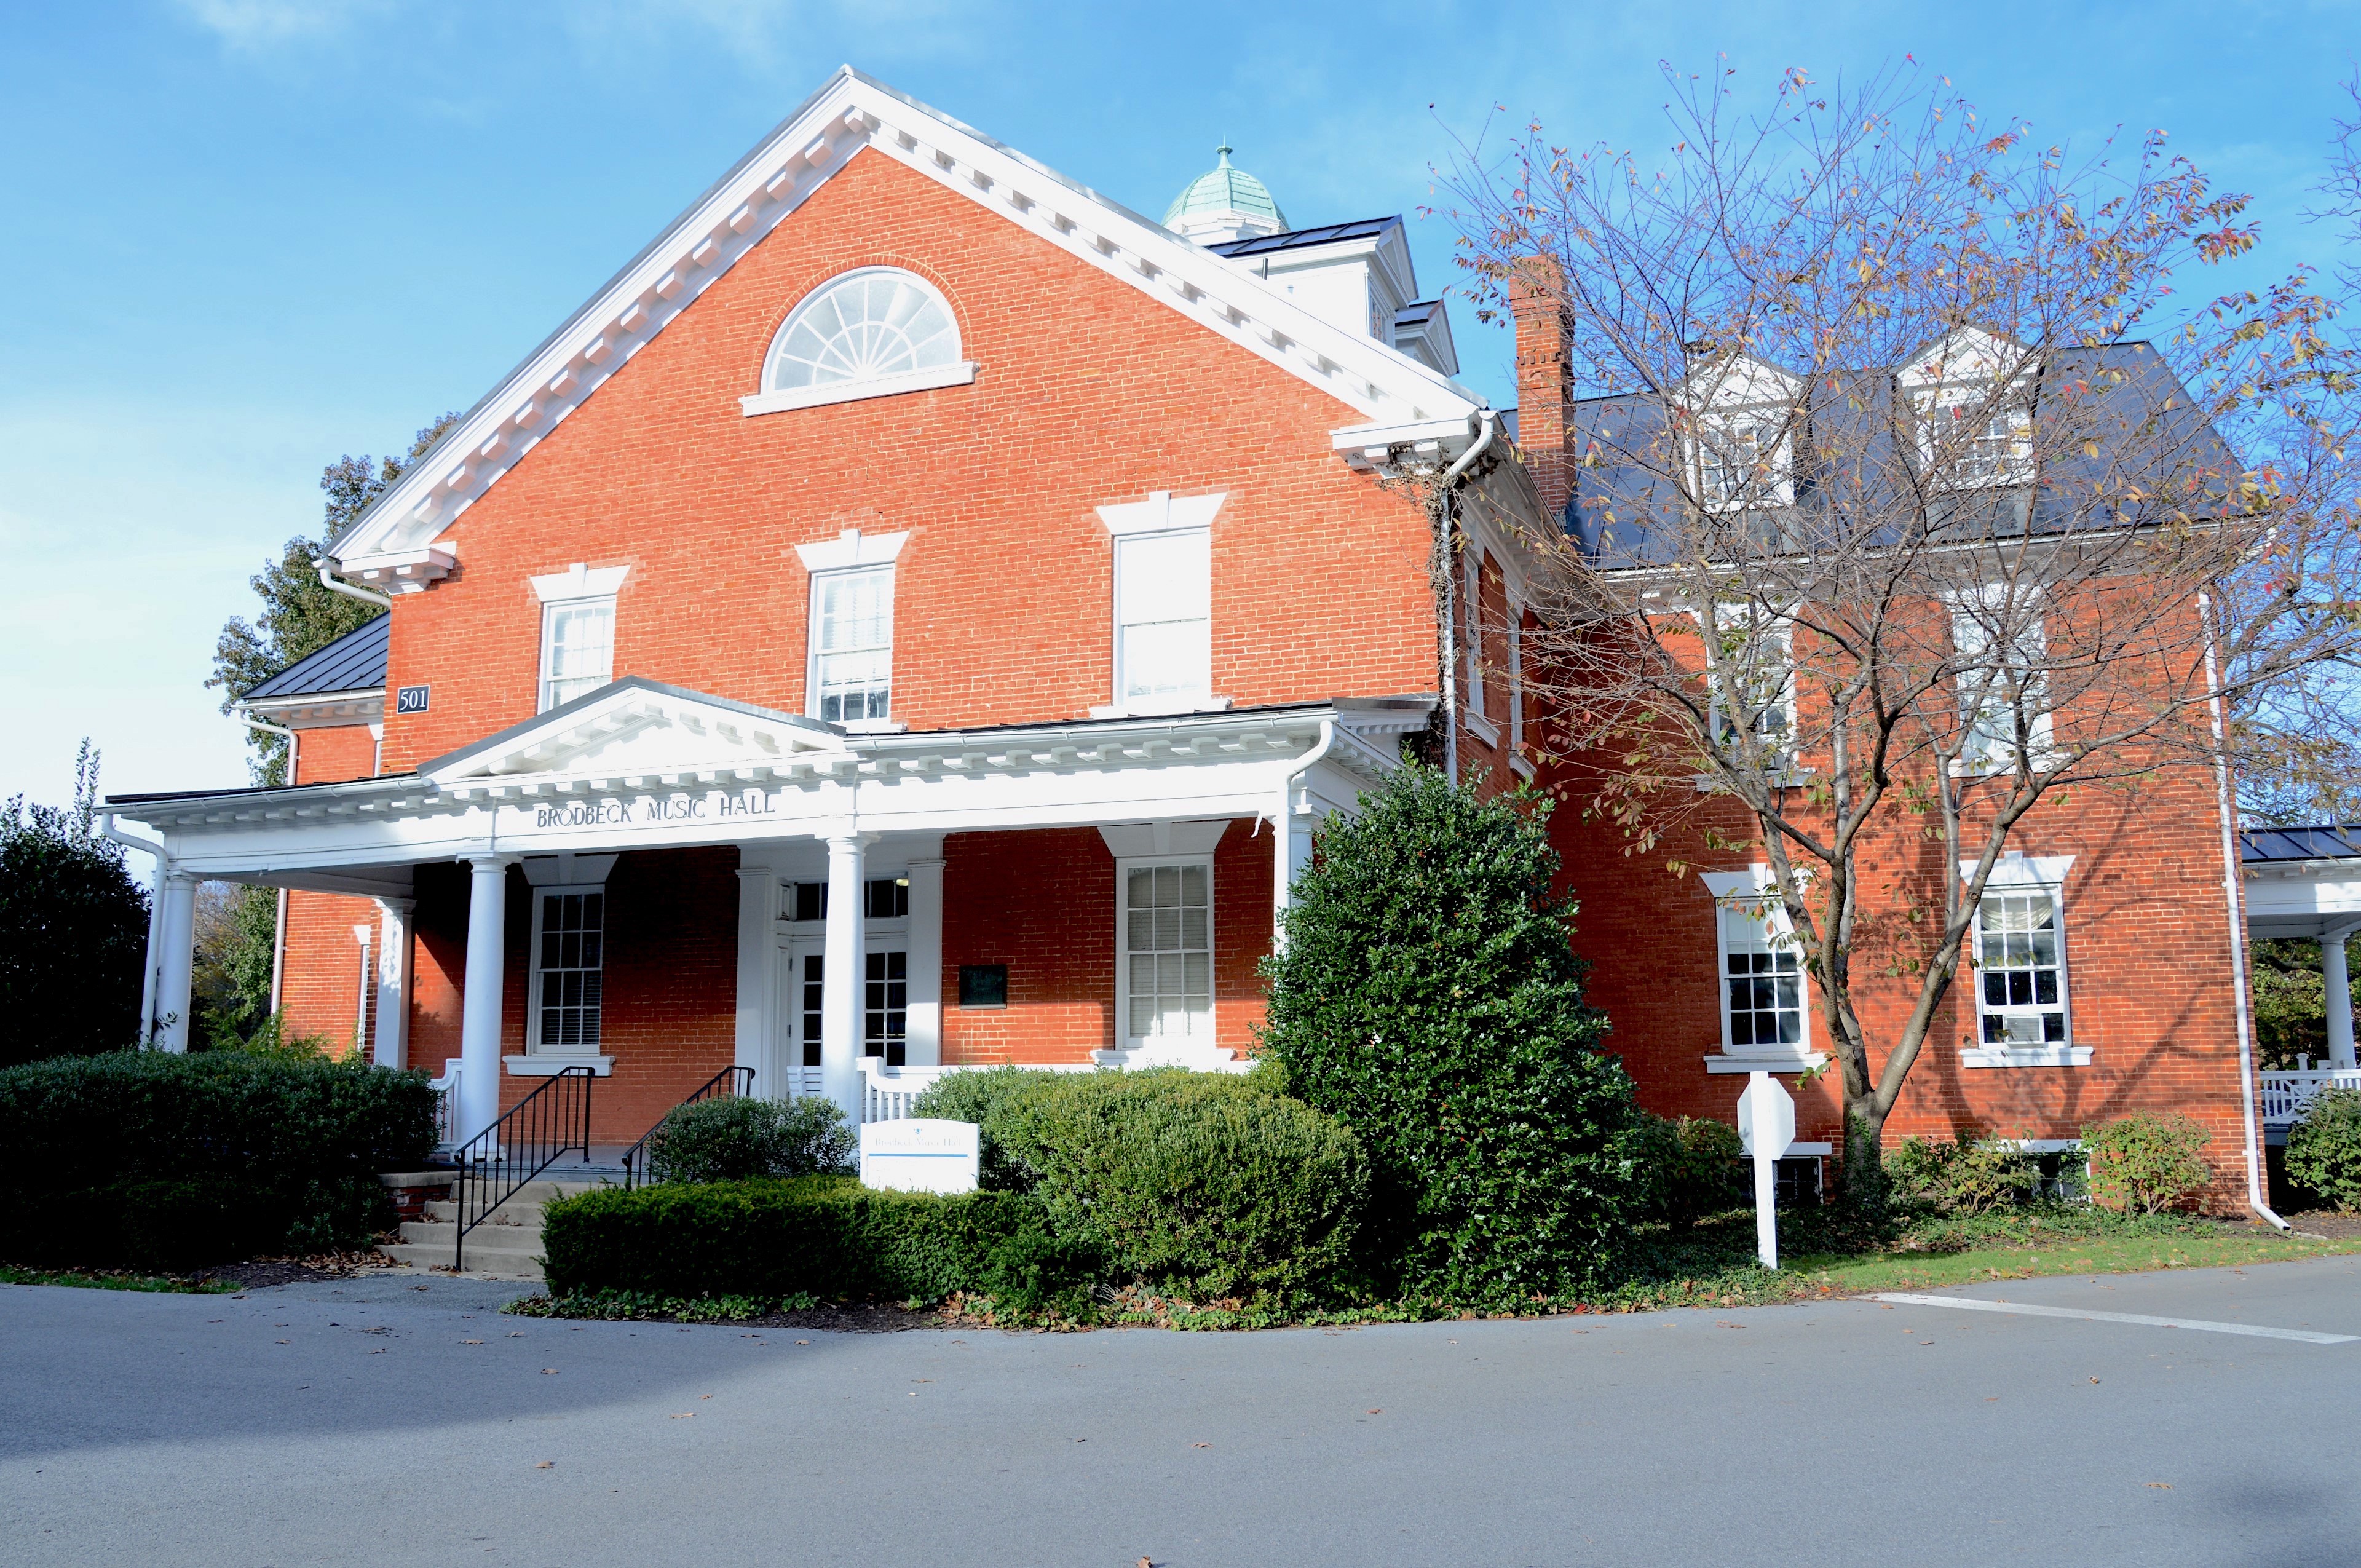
[2286, 1096]
[886, 1092]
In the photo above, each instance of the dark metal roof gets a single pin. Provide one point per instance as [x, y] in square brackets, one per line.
[1296, 239]
[1418, 313]
[2330, 841]
[355, 662]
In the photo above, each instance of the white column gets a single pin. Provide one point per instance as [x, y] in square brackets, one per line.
[177, 939]
[363, 984]
[155, 956]
[925, 996]
[758, 963]
[391, 1045]
[480, 996]
[844, 977]
[2337, 987]
[1291, 851]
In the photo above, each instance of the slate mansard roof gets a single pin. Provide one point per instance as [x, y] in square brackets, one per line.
[353, 662]
[1621, 510]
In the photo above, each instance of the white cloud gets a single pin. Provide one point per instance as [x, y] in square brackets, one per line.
[255, 25]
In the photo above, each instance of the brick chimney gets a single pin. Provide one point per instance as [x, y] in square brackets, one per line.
[1544, 378]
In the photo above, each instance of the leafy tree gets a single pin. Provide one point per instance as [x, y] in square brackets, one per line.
[2290, 999]
[1427, 997]
[74, 930]
[298, 617]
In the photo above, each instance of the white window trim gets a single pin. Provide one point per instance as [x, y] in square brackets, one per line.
[1188, 844]
[851, 549]
[959, 374]
[536, 1063]
[1516, 758]
[1161, 512]
[575, 586]
[817, 581]
[1729, 889]
[2018, 873]
[1472, 636]
[2017, 468]
[2044, 749]
[1778, 489]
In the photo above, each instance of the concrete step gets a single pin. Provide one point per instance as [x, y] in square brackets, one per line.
[442, 1211]
[494, 1266]
[490, 1235]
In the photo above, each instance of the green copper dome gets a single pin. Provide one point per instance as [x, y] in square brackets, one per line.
[1224, 197]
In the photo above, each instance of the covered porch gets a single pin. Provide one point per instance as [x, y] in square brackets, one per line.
[655, 886]
[2305, 884]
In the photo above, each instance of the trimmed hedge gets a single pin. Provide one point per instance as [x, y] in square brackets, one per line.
[738, 1137]
[1203, 1184]
[148, 1161]
[817, 1235]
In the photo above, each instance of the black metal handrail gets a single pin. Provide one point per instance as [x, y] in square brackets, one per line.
[496, 1163]
[721, 1085]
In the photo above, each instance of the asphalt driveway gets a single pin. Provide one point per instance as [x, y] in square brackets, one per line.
[378, 1424]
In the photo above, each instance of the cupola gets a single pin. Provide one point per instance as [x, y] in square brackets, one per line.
[1223, 203]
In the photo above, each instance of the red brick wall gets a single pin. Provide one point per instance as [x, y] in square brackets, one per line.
[1089, 393]
[1043, 903]
[320, 969]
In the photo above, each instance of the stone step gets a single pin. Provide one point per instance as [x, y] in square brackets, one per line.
[442, 1211]
[494, 1266]
[492, 1236]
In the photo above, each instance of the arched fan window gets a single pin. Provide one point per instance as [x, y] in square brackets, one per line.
[866, 334]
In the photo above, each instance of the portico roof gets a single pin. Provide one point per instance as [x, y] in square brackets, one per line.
[2302, 882]
[640, 764]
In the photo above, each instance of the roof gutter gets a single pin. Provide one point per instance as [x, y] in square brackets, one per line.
[336, 585]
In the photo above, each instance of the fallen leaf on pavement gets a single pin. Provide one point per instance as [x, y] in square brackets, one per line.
[685, 1415]
[2161, 1485]
[545, 1465]
[1201, 1445]
[549, 1372]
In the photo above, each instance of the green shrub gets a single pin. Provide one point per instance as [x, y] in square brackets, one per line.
[1427, 997]
[148, 1160]
[1684, 1169]
[2323, 1149]
[1203, 1184]
[980, 1097]
[822, 1236]
[736, 1137]
[1966, 1176]
[2147, 1162]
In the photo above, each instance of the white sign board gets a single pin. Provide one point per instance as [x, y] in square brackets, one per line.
[921, 1154]
[1766, 1123]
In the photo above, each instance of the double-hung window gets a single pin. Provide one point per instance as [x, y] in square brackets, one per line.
[1754, 693]
[1163, 563]
[578, 631]
[1765, 1004]
[2023, 1018]
[852, 645]
[2003, 699]
[569, 935]
[1166, 916]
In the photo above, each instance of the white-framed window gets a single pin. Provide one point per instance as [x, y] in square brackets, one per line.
[569, 937]
[2002, 646]
[1764, 997]
[1472, 633]
[2021, 969]
[1756, 690]
[1163, 618]
[1164, 920]
[868, 333]
[578, 630]
[851, 660]
[1742, 459]
[1968, 439]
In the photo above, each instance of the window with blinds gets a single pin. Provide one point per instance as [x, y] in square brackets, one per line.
[1168, 936]
[1163, 617]
[569, 939]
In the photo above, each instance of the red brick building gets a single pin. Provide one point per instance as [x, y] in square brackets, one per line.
[916, 614]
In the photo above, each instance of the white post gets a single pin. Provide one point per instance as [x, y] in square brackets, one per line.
[925, 1029]
[758, 962]
[844, 977]
[1290, 852]
[480, 996]
[391, 1045]
[2336, 986]
[362, 987]
[1766, 1210]
[177, 938]
[155, 956]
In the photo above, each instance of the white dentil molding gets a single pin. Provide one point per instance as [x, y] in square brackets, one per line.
[853, 112]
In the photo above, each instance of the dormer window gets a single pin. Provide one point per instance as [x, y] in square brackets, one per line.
[1742, 462]
[868, 334]
[1739, 442]
[1971, 396]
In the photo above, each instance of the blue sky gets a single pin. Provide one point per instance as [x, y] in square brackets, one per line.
[239, 237]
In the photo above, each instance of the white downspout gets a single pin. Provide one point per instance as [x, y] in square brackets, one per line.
[1282, 831]
[1449, 631]
[106, 830]
[337, 584]
[2256, 1199]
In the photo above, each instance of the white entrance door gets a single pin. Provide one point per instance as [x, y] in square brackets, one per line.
[884, 1009]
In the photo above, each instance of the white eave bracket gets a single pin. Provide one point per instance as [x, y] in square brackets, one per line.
[402, 571]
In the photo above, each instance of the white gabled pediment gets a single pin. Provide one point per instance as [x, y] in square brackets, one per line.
[850, 113]
[1968, 355]
[641, 729]
[1739, 381]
